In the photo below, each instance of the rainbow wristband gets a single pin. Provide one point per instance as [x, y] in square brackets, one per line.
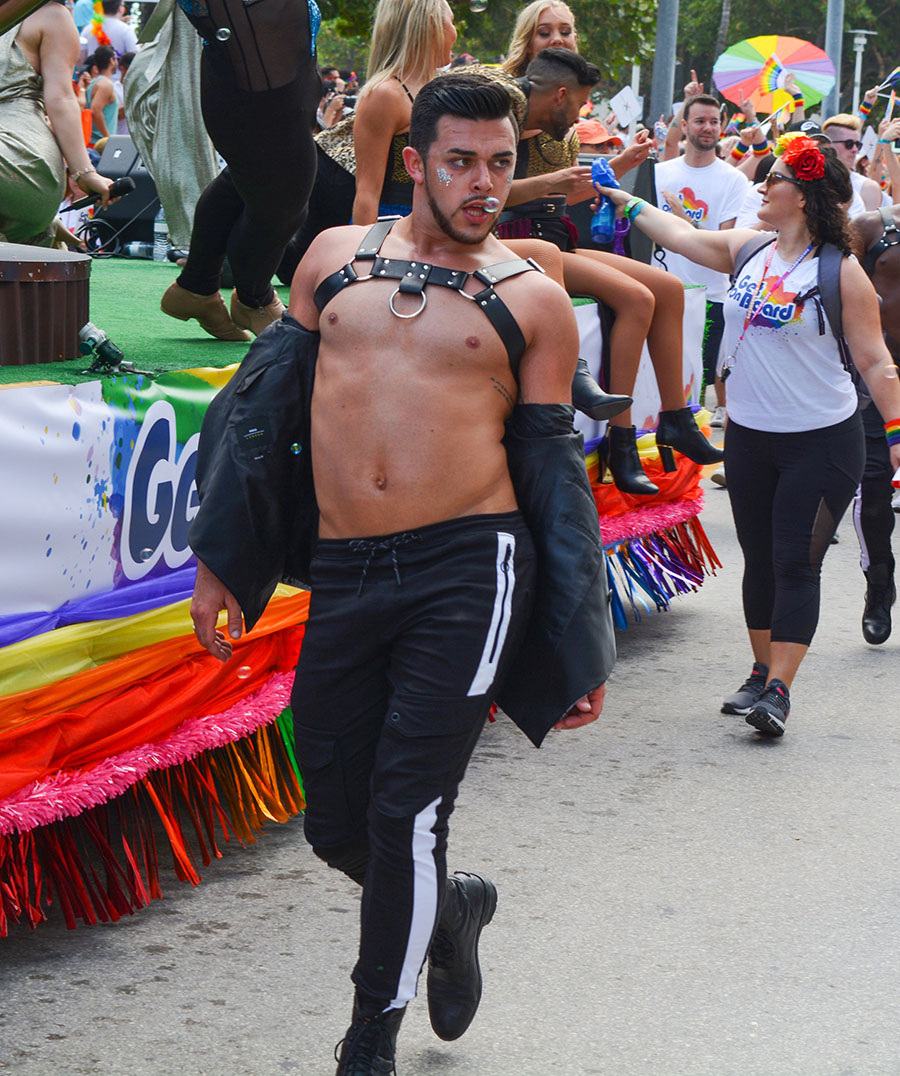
[798, 100]
[892, 431]
[738, 150]
[760, 149]
[864, 108]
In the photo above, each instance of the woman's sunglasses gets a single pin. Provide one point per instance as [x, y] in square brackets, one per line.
[850, 143]
[777, 177]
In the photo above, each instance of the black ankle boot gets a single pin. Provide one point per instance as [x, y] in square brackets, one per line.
[454, 976]
[369, 1046]
[619, 453]
[591, 400]
[678, 430]
[880, 596]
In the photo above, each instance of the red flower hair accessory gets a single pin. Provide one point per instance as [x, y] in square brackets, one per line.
[802, 154]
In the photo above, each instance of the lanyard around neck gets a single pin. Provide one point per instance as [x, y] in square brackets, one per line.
[758, 302]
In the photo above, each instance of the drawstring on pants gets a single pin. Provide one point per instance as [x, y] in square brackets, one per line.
[371, 547]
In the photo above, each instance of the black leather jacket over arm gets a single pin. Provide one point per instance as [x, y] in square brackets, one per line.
[258, 520]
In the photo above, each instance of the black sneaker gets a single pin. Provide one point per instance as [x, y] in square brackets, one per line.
[771, 709]
[454, 976]
[742, 701]
[369, 1045]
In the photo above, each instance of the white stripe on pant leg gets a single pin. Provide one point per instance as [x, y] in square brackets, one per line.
[496, 635]
[857, 523]
[424, 910]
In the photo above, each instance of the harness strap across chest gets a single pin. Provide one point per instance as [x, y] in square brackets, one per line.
[890, 237]
[413, 277]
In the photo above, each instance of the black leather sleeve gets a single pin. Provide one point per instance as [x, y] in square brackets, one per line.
[569, 648]
[258, 519]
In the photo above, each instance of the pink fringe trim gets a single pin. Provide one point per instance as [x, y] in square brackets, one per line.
[70, 792]
[644, 521]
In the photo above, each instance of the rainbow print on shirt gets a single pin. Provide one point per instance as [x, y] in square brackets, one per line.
[694, 206]
[779, 309]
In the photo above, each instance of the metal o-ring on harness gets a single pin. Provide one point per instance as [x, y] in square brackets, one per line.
[406, 317]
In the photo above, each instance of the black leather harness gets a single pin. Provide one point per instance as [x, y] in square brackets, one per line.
[890, 237]
[414, 276]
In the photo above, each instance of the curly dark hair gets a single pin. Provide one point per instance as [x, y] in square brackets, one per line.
[824, 203]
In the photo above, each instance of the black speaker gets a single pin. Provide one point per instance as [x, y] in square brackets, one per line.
[130, 218]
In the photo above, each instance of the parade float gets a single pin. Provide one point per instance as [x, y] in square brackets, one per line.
[127, 751]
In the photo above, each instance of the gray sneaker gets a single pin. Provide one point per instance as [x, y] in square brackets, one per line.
[746, 696]
[771, 710]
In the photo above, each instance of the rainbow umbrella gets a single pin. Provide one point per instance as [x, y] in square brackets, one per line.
[757, 67]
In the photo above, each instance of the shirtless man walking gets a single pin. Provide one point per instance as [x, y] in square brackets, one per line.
[424, 570]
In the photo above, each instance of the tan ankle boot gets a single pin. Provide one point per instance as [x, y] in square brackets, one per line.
[209, 310]
[255, 318]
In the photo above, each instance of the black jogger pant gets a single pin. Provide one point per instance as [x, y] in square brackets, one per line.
[788, 492]
[408, 636]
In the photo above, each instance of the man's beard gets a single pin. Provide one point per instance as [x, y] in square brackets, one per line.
[697, 143]
[559, 125]
[450, 230]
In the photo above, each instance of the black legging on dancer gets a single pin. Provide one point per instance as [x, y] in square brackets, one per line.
[259, 90]
[788, 492]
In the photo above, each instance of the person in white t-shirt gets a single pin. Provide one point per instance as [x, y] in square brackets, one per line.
[794, 447]
[122, 38]
[709, 192]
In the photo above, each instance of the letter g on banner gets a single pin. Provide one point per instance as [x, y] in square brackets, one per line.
[160, 496]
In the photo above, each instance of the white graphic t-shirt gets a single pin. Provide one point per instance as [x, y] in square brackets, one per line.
[710, 196]
[787, 376]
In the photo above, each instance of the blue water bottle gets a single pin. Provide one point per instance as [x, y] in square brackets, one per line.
[603, 222]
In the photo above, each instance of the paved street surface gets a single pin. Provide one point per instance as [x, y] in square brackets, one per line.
[677, 898]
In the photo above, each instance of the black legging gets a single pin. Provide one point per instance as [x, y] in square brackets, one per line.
[788, 492]
[252, 209]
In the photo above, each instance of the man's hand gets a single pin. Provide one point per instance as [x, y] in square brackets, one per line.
[211, 596]
[871, 96]
[748, 135]
[889, 129]
[574, 183]
[584, 711]
[638, 150]
[674, 204]
[693, 87]
[746, 106]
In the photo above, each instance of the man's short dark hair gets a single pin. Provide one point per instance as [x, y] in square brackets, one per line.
[466, 96]
[699, 99]
[556, 67]
[103, 57]
[111, 7]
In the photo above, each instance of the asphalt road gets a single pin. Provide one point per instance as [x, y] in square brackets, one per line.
[676, 896]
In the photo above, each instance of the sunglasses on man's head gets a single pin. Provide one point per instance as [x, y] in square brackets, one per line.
[850, 143]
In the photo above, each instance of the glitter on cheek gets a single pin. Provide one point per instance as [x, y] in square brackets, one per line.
[443, 176]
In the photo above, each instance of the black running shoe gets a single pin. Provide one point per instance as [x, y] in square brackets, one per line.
[771, 709]
[742, 701]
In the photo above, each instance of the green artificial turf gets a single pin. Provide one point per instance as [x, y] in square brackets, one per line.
[124, 303]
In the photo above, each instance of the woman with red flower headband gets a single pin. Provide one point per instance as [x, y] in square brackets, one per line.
[794, 447]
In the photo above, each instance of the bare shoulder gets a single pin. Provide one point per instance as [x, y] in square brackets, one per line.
[327, 253]
[387, 101]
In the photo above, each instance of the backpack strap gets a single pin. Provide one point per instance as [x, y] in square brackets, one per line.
[830, 260]
[760, 240]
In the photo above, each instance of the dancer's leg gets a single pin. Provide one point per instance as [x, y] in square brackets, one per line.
[633, 304]
[664, 337]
